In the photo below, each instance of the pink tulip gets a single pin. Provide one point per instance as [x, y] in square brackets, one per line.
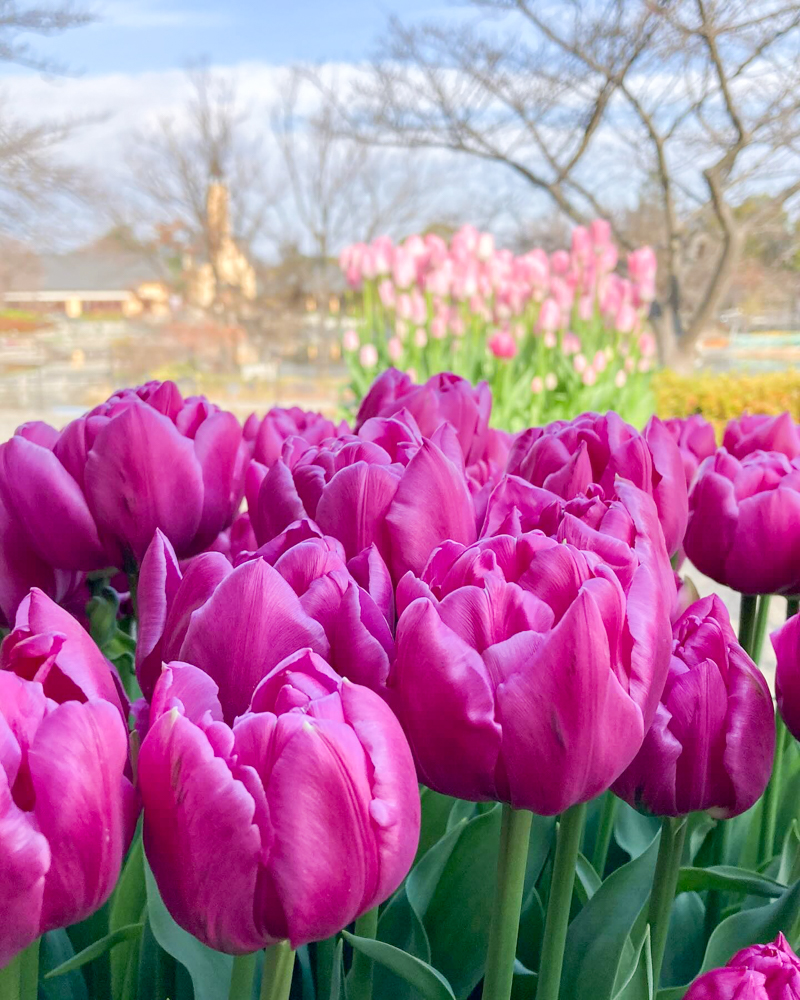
[268, 435]
[386, 294]
[786, 643]
[368, 356]
[559, 262]
[759, 432]
[237, 623]
[350, 340]
[740, 510]
[541, 664]
[713, 739]
[549, 316]
[502, 344]
[67, 810]
[696, 440]
[566, 457]
[760, 972]
[289, 823]
[394, 348]
[443, 398]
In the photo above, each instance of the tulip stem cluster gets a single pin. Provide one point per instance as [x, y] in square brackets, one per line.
[665, 882]
[769, 806]
[19, 980]
[568, 842]
[359, 984]
[512, 857]
[760, 629]
[244, 968]
[748, 604]
[276, 982]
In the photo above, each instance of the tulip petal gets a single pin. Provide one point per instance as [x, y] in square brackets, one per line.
[765, 555]
[712, 522]
[159, 579]
[455, 720]
[278, 504]
[199, 835]
[76, 763]
[249, 624]
[216, 446]
[49, 506]
[432, 504]
[141, 474]
[354, 504]
[750, 738]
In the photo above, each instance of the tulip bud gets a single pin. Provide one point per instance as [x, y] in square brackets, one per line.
[760, 972]
[66, 810]
[759, 432]
[288, 824]
[713, 739]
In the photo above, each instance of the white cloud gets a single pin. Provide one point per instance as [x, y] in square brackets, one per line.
[143, 14]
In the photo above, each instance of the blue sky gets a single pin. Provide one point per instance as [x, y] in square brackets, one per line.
[142, 35]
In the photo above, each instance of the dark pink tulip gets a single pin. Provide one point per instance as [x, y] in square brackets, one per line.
[237, 623]
[567, 456]
[786, 642]
[289, 824]
[388, 486]
[713, 739]
[48, 645]
[444, 398]
[696, 440]
[268, 435]
[744, 522]
[526, 671]
[760, 972]
[759, 432]
[144, 459]
[65, 810]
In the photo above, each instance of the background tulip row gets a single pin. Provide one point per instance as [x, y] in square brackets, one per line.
[552, 334]
[413, 708]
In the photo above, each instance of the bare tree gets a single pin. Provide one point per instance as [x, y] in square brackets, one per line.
[35, 179]
[340, 190]
[586, 101]
[212, 139]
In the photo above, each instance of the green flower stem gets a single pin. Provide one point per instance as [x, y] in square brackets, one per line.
[772, 794]
[19, 980]
[760, 629]
[244, 967]
[276, 982]
[325, 958]
[568, 844]
[665, 882]
[604, 833]
[747, 621]
[511, 860]
[359, 982]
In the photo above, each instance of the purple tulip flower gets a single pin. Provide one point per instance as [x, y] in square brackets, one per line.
[713, 738]
[695, 439]
[786, 642]
[66, 810]
[266, 437]
[744, 522]
[759, 432]
[288, 824]
[529, 669]
[568, 456]
[760, 972]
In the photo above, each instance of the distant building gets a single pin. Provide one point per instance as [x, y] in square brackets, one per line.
[90, 280]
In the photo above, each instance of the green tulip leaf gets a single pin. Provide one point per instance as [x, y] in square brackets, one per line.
[96, 949]
[210, 970]
[755, 926]
[587, 880]
[724, 878]
[128, 906]
[54, 950]
[435, 811]
[672, 993]
[599, 937]
[639, 983]
[633, 831]
[427, 981]
[338, 989]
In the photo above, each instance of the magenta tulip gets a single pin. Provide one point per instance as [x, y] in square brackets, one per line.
[267, 436]
[66, 810]
[48, 645]
[144, 459]
[527, 671]
[696, 440]
[567, 456]
[444, 398]
[786, 642]
[760, 972]
[388, 486]
[289, 824]
[759, 432]
[237, 623]
[713, 738]
[744, 522]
